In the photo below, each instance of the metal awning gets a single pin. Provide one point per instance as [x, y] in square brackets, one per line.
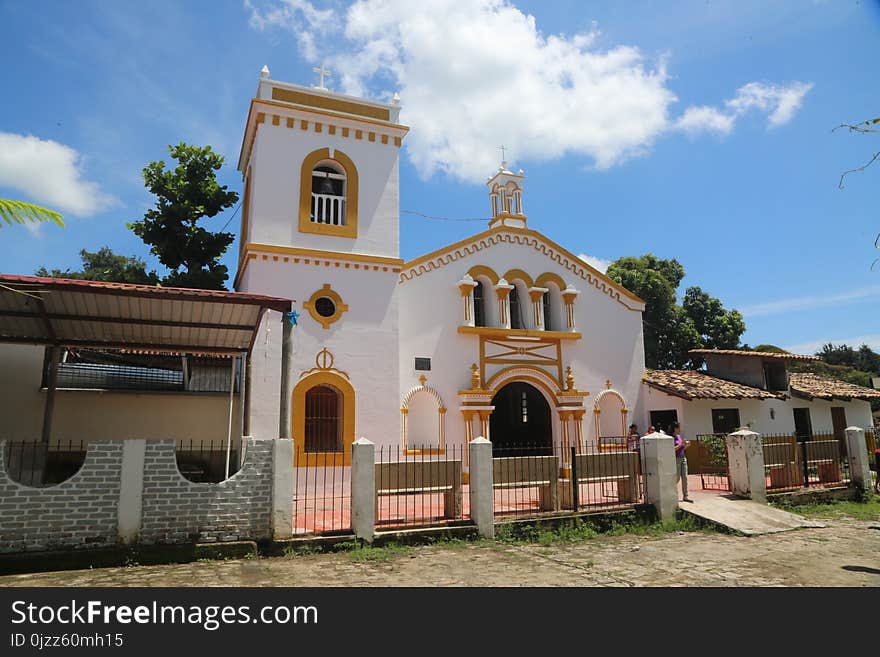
[58, 311]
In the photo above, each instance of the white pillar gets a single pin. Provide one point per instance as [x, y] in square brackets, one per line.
[132, 490]
[658, 457]
[745, 462]
[481, 493]
[363, 489]
[859, 463]
[282, 488]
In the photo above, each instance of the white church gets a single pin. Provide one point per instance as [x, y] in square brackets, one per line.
[505, 334]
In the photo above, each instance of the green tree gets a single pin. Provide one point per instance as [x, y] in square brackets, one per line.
[672, 330]
[104, 265]
[186, 195]
[21, 212]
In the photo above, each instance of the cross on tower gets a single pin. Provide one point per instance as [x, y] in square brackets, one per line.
[502, 148]
[322, 73]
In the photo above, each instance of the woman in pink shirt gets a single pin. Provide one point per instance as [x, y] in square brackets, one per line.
[681, 464]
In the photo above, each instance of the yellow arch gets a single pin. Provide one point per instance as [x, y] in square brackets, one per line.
[624, 412]
[483, 270]
[298, 421]
[514, 274]
[549, 277]
[532, 376]
[351, 194]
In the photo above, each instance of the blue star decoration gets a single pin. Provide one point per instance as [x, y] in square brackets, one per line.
[292, 316]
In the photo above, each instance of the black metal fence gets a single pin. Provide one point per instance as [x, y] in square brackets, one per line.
[707, 457]
[790, 463]
[322, 492]
[204, 461]
[40, 465]
[533, 479]
[420, 486]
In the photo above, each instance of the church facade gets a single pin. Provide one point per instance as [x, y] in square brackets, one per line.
[505, 334]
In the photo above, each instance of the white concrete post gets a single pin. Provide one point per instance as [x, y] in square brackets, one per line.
[131, 491]
[745, 463]
[859, 463]
[282, 488]
[658, 459]
[481, 493]
[363, 489]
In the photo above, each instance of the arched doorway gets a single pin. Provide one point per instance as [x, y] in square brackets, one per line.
[520, 424]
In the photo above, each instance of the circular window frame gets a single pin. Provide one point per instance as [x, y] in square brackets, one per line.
[332, 295]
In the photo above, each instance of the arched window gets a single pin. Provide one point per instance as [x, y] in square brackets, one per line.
[516, 320]
[323, 419]
[328, 194]
[548, 314]
[479, 305]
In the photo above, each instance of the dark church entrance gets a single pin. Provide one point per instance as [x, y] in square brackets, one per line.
[520, 424]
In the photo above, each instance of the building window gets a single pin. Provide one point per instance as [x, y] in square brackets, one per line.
[323, 427]
[328, 194]
[423, 364]
[479, 305]
[325, 307]
[725, 420]
[548, 322]
[516, 321]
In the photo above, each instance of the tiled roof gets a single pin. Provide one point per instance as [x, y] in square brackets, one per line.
[689, 384]
[805, 384]
[762, 354]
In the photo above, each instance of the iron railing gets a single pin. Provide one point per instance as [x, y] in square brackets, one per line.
[40, 465]
[790, 463]
[707, 457]
[322, 492]
[204, 461]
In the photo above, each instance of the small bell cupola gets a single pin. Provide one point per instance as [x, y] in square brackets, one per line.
[505, 193]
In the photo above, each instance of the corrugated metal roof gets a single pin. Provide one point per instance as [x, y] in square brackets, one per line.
[99, 314]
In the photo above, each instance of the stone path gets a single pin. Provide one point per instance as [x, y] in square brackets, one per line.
[844, 553]
[744, 516]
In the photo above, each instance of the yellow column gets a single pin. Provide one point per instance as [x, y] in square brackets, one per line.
[403, 413]
[564, 417]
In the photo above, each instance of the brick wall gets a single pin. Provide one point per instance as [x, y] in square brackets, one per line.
[78, 513]
[176, 510]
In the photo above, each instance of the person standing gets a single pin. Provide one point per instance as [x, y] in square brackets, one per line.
[681, 464]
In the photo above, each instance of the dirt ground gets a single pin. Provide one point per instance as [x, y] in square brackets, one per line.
[844, 553]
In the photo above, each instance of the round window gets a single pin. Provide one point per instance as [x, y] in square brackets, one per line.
[325, 307]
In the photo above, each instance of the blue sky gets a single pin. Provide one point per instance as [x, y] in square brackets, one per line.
[695, 130]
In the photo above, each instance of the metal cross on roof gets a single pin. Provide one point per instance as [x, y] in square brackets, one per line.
[322, 73]
[502, 149]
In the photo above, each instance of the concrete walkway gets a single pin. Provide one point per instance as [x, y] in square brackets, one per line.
[743, 516]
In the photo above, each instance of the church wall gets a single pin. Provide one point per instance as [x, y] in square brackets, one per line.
[431, 312]
[276, 163]
[363, 342]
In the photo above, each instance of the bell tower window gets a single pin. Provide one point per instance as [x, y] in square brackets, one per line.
[328, 194]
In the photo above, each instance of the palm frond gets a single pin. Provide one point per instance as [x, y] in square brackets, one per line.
[21, 212]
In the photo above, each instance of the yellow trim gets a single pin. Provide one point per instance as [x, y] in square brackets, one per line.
[298, 421]
[494, 332]
[245, 215]
[514, 274]
[351, 194]
[425, 452]
[331, 294]
[531, 378]
[483, 270]
[317, 253]
[339, 105]
[550, 277]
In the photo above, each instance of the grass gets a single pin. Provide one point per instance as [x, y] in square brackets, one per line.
[579, 530]
[869, 510]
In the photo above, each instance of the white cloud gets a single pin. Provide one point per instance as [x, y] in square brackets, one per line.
[50, 174]
[475, 74]
[813, 346]
[780, 101]
[705, 119]
[598, 263]
[809, 302]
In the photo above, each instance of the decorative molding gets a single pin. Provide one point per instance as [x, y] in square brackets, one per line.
[324, 363]
[526, 237]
